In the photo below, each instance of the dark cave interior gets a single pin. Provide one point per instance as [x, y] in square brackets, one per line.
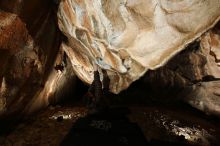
[144, 114]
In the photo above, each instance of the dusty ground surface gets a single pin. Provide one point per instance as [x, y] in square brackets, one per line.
[43, 129]
[158, 123]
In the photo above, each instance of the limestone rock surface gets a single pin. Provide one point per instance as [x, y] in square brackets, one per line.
[193, 75]
[129, 37]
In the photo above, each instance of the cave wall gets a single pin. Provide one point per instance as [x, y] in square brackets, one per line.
[29, 47]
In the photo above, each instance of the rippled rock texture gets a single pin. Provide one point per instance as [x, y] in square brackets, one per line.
[129, 37]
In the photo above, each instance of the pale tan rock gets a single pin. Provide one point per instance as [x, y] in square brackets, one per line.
[193, 75]
[129, 37]
[210, 45]
[205, 95]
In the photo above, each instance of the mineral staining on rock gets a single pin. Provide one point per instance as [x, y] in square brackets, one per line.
[13, 36]
[129, 37]
[20, 61]
[13, 32]
[29, 46]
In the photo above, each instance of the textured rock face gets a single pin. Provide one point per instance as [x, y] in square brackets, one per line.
[14, 37]
[129, 37]
[13, 32]
[205, 95]
[22, 67]
[29, 50]
[194, 74]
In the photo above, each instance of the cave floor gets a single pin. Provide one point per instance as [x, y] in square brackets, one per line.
[158, 124]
